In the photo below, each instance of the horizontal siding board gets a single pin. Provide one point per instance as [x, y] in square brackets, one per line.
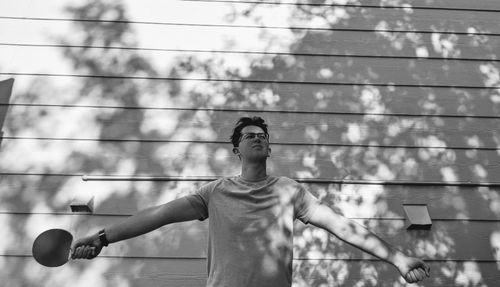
[336, 17]
[396, 44]
[443, 203]
[207, 38]
[103, 271]
[201, 159]
[450, 4]
[180, 240]
[148, 272]
[463, 4]
[354, 43]
[488, 83]
[292, 97]
[107, 124]
[56, 7]
[340, 273]
[302, 69]
[22, 194]
[340, 43]
[446, 240]
[413, 4]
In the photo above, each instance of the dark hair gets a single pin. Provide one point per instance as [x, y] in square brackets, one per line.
[247, 121]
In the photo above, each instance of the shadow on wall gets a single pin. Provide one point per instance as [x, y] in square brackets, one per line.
[413, 113]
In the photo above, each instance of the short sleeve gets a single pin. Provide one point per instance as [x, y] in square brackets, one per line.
[200, 198]
[305, 204]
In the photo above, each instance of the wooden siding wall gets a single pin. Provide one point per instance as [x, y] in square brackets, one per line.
[371, 104]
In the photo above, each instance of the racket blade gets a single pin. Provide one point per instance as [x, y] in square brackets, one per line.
[52, 247]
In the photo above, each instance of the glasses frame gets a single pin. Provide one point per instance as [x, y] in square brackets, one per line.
[261, 136]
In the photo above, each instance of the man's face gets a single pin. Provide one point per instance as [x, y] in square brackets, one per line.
[253, 146]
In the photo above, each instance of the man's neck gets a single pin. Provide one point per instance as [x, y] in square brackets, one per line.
[254, 171]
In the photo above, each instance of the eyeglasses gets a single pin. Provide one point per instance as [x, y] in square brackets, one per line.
[261, 136]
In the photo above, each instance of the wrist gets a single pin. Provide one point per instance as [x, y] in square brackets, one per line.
[103, 239]
[397, 258]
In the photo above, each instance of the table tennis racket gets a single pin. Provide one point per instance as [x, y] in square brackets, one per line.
[52, 247]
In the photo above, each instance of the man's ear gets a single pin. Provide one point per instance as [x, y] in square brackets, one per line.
[269, 152]
[236, 150]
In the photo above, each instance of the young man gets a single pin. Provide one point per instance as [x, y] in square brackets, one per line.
[251, 221]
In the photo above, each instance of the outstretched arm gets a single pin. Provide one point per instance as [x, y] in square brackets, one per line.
[412, 269]
[143, 222]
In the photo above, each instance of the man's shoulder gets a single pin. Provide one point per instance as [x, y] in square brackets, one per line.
[284, 180]
[211, 185]
[222, 182]
[293, 185]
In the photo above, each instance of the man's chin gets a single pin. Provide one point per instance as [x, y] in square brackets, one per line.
[258, 157]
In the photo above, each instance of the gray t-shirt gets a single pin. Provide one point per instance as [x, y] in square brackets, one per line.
[251, 229]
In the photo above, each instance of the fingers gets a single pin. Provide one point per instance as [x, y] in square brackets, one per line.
[412, 276]
[85, 248]
[427, 270]
[421, 274]
[84, 252]
[417, 274]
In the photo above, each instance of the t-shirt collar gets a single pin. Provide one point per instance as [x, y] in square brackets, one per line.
[240, 178]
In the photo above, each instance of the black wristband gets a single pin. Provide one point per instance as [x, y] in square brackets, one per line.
[103, 238]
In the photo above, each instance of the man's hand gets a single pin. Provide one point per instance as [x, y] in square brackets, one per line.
[413, 269]
[86, 248]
